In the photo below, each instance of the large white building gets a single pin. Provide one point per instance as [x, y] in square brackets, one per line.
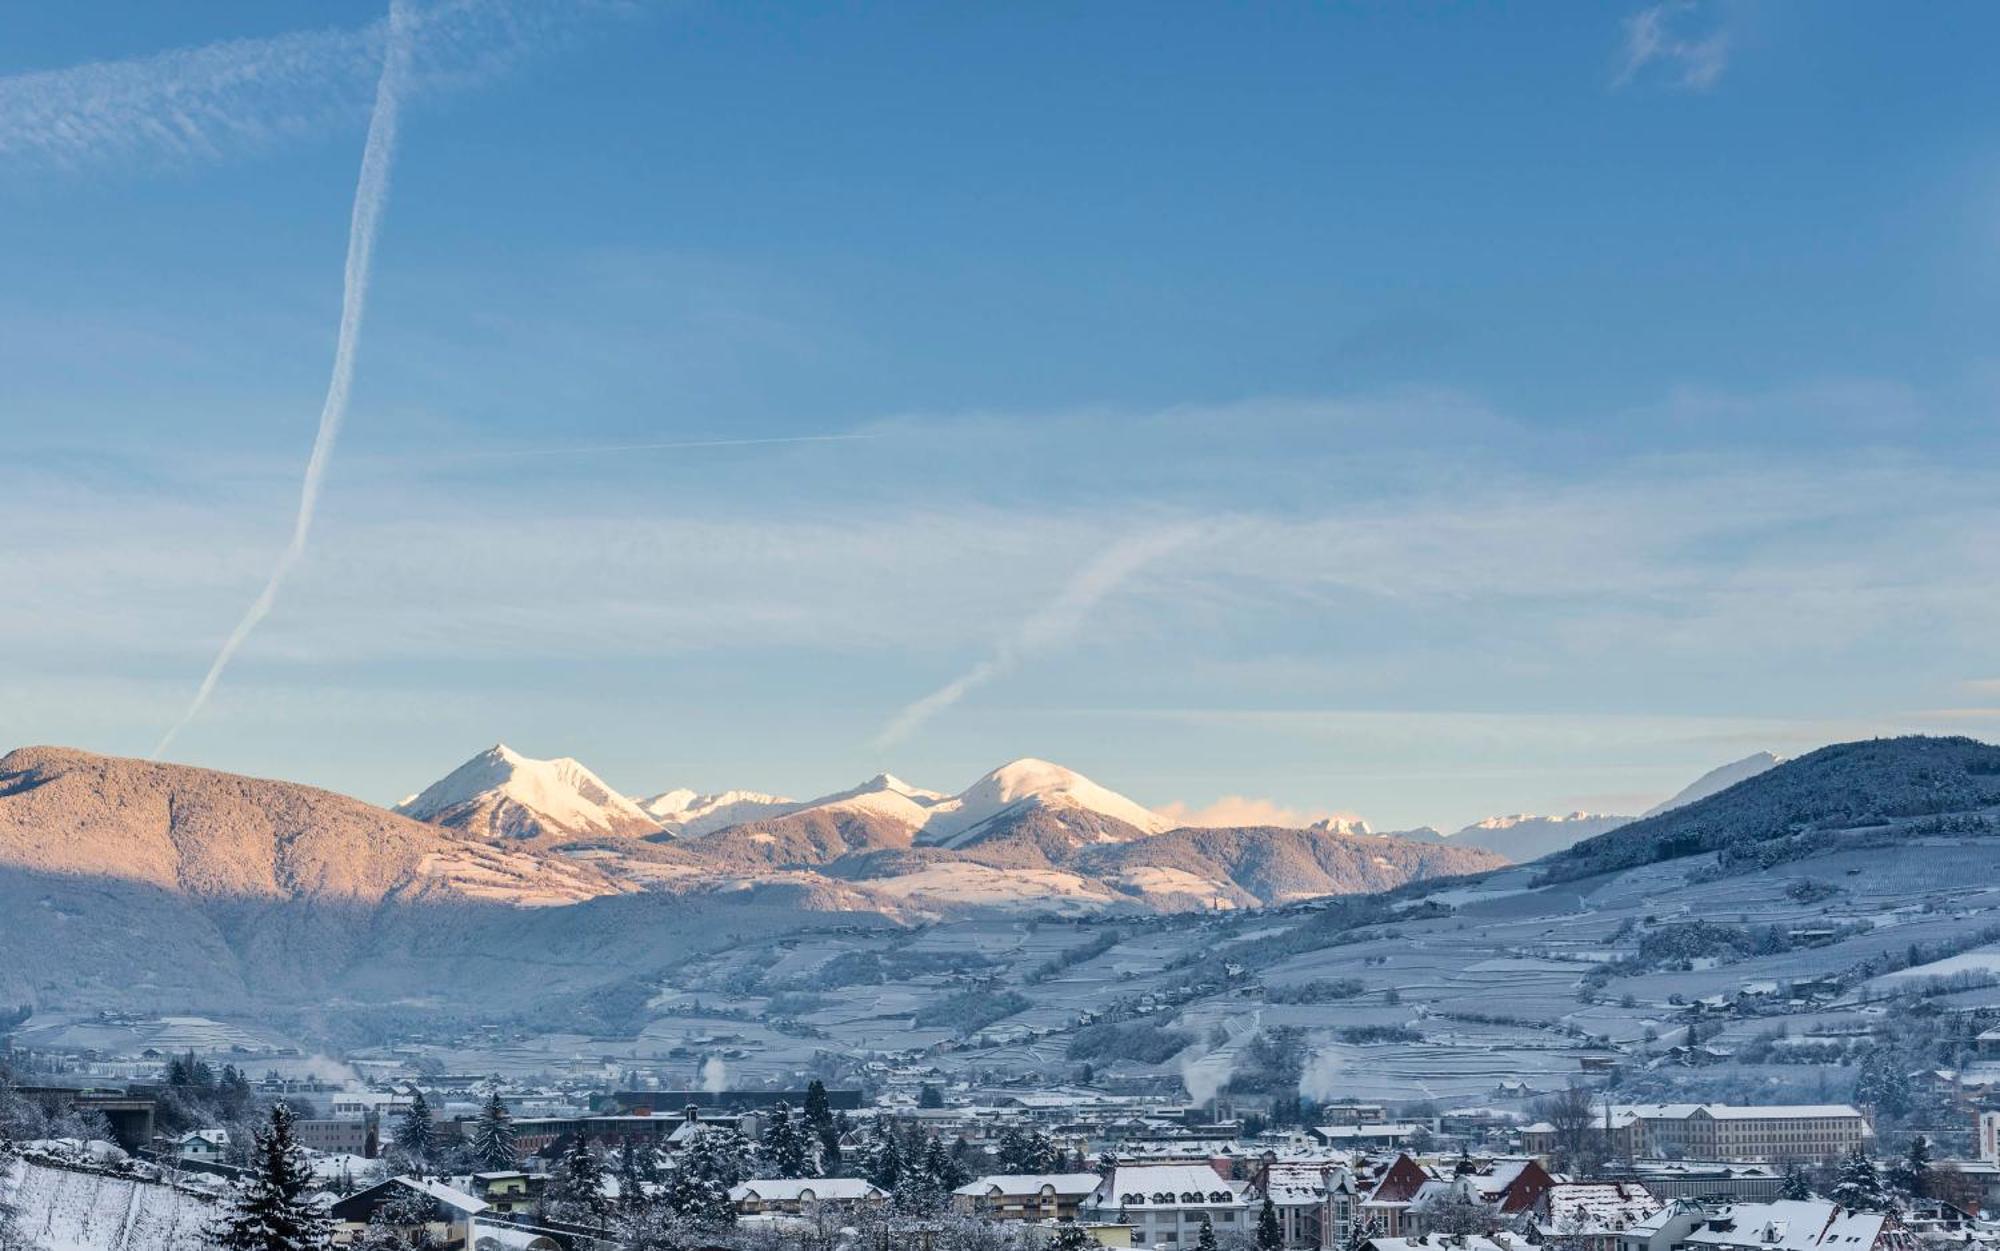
[1720, 1131]
[1165, 1204]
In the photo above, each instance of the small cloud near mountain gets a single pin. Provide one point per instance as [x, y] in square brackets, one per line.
[1241, 810]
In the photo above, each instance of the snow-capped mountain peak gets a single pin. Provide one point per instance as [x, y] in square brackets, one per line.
[500, 791]
[1032, 782]
[691, 814]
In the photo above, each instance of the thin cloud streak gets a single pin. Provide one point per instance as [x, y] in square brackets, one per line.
[371, 195]
[1054, 622]
[204, 104]
[591, 449]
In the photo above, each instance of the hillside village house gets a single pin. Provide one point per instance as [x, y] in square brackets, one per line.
[202, 1146]
[1166, 1204]
[508, 1192]
[1719, 1131]
[451, 1213]
[1025, 1196]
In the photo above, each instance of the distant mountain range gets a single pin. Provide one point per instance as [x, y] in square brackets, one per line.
[501, 794]
[134, 884]
[1027, 835]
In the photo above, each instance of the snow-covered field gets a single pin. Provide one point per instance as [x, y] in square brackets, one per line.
[70, 1211]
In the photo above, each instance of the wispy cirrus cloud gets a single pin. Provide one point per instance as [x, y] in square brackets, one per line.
[1655, 42]
[1048, 625]
[240, 96]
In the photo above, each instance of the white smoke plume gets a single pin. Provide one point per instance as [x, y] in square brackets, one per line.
[1051, 624]
[714, 1075]
[1324, 1077]
[1205, 1072]
[371, 194]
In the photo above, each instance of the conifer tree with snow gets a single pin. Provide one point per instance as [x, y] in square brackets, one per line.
[822, 1127]
[575, 1190]
[493, 1148]
[1910, 1174]
[942, 1167]
[1205, 1240]
[638, 1170]
[1796, 1185]
[1270, 1237]
[885, 1164]
[416, 1136]
[1859, 1188]
[710, 1165]
[786, 1150]
[273, 1209]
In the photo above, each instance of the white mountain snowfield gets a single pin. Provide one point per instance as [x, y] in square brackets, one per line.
[508, 793]
[1028, 782]
[560, 795]
[691, 815]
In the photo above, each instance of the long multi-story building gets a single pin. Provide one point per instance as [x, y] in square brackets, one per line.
[1718, 1131]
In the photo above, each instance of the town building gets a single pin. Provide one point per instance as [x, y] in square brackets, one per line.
[1025, 1196]
[449, 1214]
[801, 1196]
[1717, 1131]
[1166, 1204]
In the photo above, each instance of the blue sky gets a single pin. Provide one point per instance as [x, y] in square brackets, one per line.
[1404, 411]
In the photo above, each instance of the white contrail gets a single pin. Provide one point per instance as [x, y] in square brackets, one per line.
[371, 192]
[1049, 625]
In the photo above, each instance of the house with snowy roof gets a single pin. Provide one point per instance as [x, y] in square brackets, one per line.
[1166, 1204]
[447, 1213]
[1025, 1196]
[795, 1196]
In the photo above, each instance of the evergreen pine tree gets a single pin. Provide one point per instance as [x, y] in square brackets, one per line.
[1859, 1186]
[1911, 1172]
[1205, 1240]
[1269, 1236]
[786, 1150]
[416, 1135]
[576, 1188]
[1011, 1151]
[634, 1179]
[820, 1127]
[272, 1210]
[711, 1164]
[940, 1168]
[1796, 1184]
[493, 1147]
[885, 1168]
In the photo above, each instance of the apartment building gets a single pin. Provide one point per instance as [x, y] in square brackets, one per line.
[1720, 1131]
